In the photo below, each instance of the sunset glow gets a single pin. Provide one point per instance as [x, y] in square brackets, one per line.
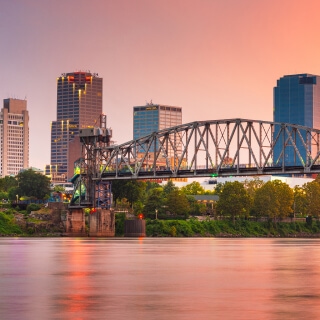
[215, 59]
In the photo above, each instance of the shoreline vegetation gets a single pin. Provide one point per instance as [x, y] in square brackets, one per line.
[13, 224]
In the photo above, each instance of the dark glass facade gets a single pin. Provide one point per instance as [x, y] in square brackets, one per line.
[154, 117]
[296, 101]
[79, 105]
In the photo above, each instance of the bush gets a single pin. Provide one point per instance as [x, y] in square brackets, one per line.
[33, 207]
[119, 224]
[8, 226]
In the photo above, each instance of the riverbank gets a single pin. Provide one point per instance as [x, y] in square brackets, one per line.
[16, 224]
[226, 228]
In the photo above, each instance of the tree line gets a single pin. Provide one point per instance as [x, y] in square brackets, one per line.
[254, 199]
[237, 200]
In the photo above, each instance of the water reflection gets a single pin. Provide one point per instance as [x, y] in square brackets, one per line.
[145, 278]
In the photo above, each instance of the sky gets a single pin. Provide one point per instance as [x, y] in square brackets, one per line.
[217, 59]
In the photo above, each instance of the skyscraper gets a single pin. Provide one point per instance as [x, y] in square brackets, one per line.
[296, 101]
[79, 105]
[154, 117]
[14, 136]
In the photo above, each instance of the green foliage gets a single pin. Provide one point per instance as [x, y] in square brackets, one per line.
[168, 188]
[132, 190]
[33, 207]
[138, 207]
[233, 200]
[177, 203]
[274, 199]
[154, 201]
[8, 226]
[193, 188]
[196, 208]
[58, 188]
[3, 195]
[32, 184]
[7, 182]
[119, 224]
[312, 200]
[300, 200]
[285, 198]
[226, 228]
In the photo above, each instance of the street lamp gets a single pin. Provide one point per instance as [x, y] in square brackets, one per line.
[156, 214]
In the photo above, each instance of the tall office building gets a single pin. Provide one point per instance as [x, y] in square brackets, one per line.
[79, 105]
[14, 136]
[296, 101]
[155, 117]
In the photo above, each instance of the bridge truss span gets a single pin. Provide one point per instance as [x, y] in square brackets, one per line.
[215, 147]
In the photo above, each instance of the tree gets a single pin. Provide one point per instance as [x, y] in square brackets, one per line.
[265, 201]
[233, 200]
[177, 203]
[118, 189]
[154, 201]
[274, 199]
[299, 200]
[169, 187]
[59, 189]
[252, 185]
[218, 188]
[196, 208]
[312, 192]
[132, 190]
[285, 198]
[32, 184]
[193, 188]
[8, 182]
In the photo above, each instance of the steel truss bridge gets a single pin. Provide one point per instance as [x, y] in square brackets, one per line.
[237, 147]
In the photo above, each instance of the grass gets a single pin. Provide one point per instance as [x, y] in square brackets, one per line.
[8, 225]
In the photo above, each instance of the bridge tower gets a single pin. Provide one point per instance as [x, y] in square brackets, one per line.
[90, 192]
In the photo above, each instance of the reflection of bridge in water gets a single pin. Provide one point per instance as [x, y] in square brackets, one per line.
[235, 147]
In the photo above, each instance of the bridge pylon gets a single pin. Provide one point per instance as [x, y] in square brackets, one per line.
[75, 223]
[102, 223]
[89, 191]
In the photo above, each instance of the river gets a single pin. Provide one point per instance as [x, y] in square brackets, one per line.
[159, 278]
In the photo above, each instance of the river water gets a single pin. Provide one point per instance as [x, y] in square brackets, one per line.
[159, 278]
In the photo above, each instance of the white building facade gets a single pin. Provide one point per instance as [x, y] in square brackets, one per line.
[14, 137]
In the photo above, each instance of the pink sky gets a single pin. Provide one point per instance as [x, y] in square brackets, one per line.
[216, 59]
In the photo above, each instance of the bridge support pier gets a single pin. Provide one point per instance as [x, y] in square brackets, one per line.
[75, 223]
[135, 228]
[102, 223]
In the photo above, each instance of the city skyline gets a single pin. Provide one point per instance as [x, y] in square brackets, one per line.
[216, 59]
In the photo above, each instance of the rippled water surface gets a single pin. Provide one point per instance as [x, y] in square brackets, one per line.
[159, 278]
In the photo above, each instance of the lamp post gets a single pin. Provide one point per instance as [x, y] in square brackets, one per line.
[156, 214]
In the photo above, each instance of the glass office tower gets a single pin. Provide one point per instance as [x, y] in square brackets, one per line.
[79, 105]
[296, 101]
[154, 117]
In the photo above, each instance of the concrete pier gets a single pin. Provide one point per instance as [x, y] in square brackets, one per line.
[102, 223]
[135, 228]
[75, 223]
